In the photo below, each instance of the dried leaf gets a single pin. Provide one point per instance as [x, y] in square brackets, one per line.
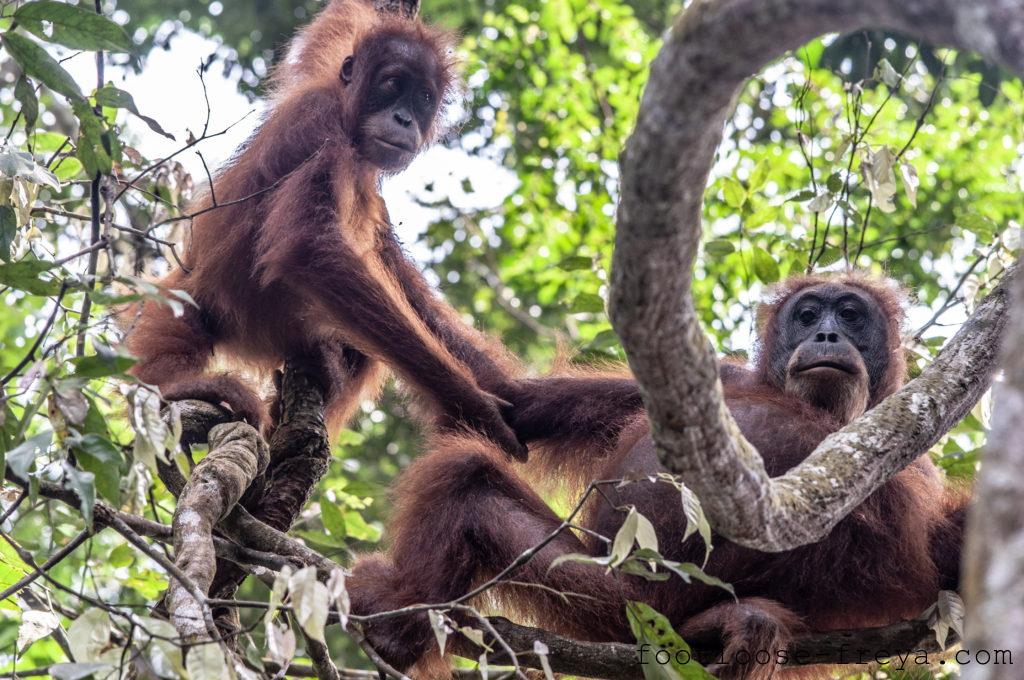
[948, 615]
[206, 661]
[910, 181]
[877, 170]
[646, 536]
[541, 650]
[696, 520]
[339, 595]
[624, 538]
[89, 635]
[280, 643]
[440, 627]
[309, 600]
[151, 433]
[35, 625]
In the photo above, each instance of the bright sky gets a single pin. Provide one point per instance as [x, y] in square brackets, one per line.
[169, 90]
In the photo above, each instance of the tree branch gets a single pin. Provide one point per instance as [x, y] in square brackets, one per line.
[197, 419]
[994, 557]
[619, 661]
[665, 168]
[237, 456]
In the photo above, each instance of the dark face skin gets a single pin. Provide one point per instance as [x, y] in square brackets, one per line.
[833, 348]
[395, 83]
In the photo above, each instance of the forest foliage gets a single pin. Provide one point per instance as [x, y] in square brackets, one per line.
[866, 150]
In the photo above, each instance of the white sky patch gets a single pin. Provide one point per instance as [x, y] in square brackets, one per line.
[169, 90]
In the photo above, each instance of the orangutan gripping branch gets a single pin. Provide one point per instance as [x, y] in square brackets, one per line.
[297, 258]
[829, 348]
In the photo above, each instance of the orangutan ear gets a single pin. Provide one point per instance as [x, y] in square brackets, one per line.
[347, 68]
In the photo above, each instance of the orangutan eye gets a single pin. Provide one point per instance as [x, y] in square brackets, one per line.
[390, 87]
[849, 314]
[807, 317]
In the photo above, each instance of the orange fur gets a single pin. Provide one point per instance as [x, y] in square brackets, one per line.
[298, 258]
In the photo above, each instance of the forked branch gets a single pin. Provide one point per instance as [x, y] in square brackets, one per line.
[665, 168]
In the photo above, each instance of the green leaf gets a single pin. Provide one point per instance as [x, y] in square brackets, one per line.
[319, 538]
[762, 215]
[24, 275]
[654, 630]
[719, 247]
[350, 438]
[575, 263]
[95, 422]
[12, 568]
[759, 175]
[810, 54]
[94, 144]
[26, 95]
[113, 97]
[8, 230]
[801, 196]
[834, 183]
[765, 266]
[100, 457]
[68, 169]
[587, 302]
[605, 339]
[84, 484]
[519, 13]
[105, 362]
[733, 192]
[36, 62]
[686, 570]
[979, 225]
[121, 556]
[333, 519]
[21, 458]
[73, 26]
[635, 566]
[357, 528]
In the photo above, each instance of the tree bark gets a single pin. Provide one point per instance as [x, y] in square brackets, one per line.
[619, 661]
[237, 456]
[665, 168]
[994, 559]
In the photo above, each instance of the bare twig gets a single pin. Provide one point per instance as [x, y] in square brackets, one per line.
[498, 578]
[43, 332]
[382, 665]
[952, 298]
[50, 563]
[94, 208]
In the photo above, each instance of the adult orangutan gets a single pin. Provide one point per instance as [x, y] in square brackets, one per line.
[829, 348]
[292, 253]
